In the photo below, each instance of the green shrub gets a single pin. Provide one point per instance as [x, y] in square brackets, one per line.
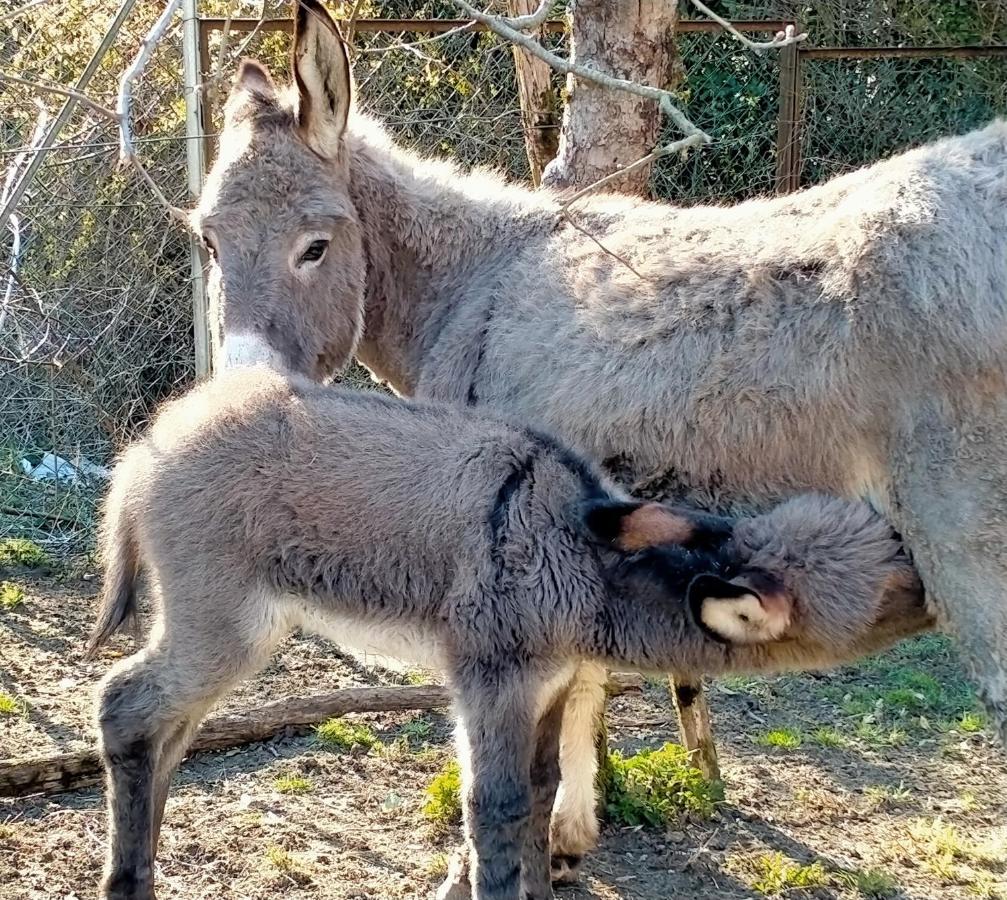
[657, 787]
[16, 552]
[444, 796]
[11, 595]
[340, 735]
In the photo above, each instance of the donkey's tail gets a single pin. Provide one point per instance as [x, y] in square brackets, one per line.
[121, 556]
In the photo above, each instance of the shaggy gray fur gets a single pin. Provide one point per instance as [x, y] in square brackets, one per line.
[257, 505]
[850, 338]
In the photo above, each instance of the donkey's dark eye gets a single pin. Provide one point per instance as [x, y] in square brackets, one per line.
[316, 250]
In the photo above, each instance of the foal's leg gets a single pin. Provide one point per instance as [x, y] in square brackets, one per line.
[575, 818]
[545, 775]
[148, 707]
[496, 713]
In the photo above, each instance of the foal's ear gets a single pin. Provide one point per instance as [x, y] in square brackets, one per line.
[634, 526]
[253, 88]
[324, 83]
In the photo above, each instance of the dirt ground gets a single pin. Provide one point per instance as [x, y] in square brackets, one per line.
[872, 781]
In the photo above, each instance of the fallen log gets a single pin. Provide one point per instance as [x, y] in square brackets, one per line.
[71, 771]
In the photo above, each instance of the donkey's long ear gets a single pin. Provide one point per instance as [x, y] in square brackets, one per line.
[253, 88]
[632, 526]
[324, 83]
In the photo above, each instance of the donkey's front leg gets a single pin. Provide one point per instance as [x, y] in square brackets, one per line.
[496, 717]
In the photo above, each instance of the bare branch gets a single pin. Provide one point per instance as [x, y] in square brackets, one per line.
[532, 21]
[663, 98]
[693, 140]
[176, 212]
[123, 108]
[21, 10]
[123, 105]
[21, 160]
[62, 92]
[780, 39]
[399, 45]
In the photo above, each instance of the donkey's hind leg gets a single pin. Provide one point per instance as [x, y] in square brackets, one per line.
[545, 775]
[575, 817]
[148, 707]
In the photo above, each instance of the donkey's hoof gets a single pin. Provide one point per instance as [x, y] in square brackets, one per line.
[126, 888]
[456, 884]
[565, 868]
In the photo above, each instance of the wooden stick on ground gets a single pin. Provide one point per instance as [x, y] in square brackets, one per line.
[70, 771]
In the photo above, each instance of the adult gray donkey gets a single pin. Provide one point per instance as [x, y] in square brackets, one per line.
[851, 338]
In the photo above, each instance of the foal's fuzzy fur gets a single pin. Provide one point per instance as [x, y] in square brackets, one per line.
[258, 505]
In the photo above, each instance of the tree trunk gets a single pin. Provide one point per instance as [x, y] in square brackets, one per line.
[540, 116]
[604, 130]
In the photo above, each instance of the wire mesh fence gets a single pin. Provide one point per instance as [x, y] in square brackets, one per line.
[96, 318]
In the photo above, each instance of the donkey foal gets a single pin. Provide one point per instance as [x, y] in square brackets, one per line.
[258, 505]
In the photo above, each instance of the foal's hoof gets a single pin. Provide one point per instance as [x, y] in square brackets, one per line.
[126, 886]
[456, 884]
[565, 868]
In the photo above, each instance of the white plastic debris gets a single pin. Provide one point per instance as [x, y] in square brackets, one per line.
[55, 468]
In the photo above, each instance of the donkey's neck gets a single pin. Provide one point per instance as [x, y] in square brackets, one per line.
[429, 231]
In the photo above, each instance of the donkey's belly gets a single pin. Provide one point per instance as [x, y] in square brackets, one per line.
[375, 642]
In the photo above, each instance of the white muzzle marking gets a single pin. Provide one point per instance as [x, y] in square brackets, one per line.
[245, 349]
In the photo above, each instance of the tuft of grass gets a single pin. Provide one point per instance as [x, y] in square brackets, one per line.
[342, 736]
[829, 737]
[10, 705]
[444, 796]
[657, 787]
[888, 795]
[777, 874]
[872, 883]
[417, 730]
[293, 784]
[437, 866]
[18, 552]
[971, 723]
[953, 857]
[288, 864]
[11, 595]
[781, 738]
[416, 676]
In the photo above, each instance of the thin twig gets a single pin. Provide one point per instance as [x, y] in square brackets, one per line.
[401, 45]
[124, 101]
[225, 33]
[21, 161]
[62, 92]
[21, 10]
[692, 140]
[351, 22]
[780, 39]
[565, 213]
[130, 157]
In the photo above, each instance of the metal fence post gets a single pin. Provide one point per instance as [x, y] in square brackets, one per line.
[788, 137]
[195, 167]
